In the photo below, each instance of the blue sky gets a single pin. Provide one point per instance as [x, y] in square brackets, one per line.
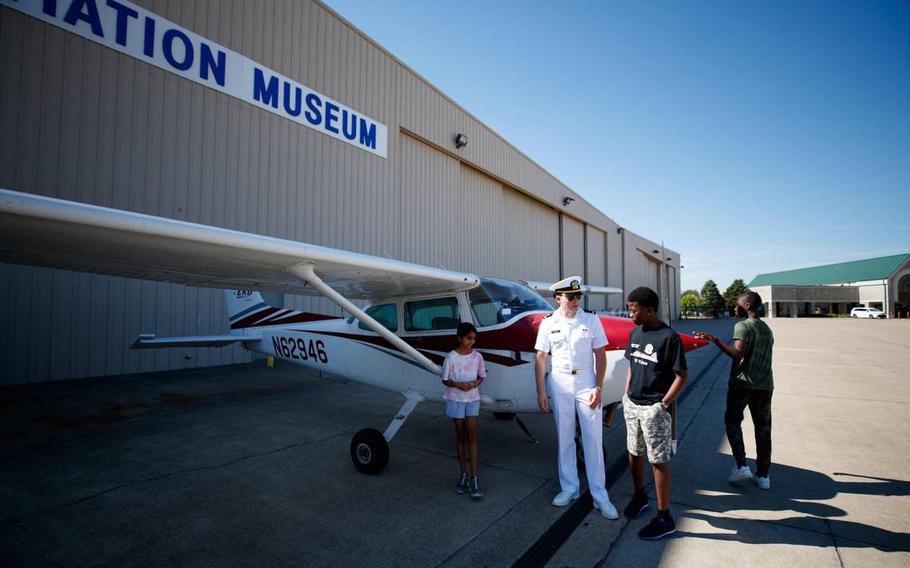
[750, 136]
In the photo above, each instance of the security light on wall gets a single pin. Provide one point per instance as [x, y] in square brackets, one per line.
[567, 200]
[461, 140]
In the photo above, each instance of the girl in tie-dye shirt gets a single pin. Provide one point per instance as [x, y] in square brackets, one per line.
[462, 372]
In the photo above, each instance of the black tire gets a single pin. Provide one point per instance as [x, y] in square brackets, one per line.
[503, 415]
[369, 451]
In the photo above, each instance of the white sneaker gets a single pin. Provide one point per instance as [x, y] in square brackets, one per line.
[763, 482]
[563, 498]
[738, 474]
[607, 510]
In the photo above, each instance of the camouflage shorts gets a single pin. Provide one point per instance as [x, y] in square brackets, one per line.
[648, 426]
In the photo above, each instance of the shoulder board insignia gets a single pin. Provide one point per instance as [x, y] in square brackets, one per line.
[591, 312]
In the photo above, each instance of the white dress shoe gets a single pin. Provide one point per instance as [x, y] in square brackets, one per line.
[563, 498]
[607, 510]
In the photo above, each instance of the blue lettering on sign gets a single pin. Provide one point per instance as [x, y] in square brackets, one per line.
[50, 8]
[209, 63]
[167, 44]
[123, 12]
[330, 117]
[368, 134]
[265, 95]
[85, 10]
[148, 46]
[344, 124]
[295, 111]
[314, 115]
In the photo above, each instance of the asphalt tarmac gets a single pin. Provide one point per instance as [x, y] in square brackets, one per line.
[250, 466]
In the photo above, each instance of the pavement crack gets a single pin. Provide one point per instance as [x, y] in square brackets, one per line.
[489, 525]
[480, 462]
[18, 519]
[834, 541]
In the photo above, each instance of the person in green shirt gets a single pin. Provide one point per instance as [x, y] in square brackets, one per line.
[751, 384]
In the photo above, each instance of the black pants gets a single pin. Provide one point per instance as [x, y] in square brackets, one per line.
[759, 403]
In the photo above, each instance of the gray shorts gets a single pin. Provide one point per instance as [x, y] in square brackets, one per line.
[455, 409]
[648, 427]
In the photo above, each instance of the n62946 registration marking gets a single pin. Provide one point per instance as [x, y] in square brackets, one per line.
[300, 348]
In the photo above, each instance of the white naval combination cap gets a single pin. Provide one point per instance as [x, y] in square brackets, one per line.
[569, 285]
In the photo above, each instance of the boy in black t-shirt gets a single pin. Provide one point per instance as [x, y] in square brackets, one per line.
[657, 375]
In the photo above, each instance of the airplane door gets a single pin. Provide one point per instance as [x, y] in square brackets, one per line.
[430, 325]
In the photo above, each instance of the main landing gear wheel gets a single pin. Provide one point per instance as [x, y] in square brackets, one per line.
[369, 451]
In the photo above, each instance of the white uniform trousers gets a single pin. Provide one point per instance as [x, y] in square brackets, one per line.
[570, 394]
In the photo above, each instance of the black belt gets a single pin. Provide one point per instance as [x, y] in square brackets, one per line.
[575, 371]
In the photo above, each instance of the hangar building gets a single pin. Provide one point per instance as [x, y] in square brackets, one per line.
[882, 283]
[275, 117]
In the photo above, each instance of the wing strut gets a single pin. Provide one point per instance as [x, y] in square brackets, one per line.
[306, 273]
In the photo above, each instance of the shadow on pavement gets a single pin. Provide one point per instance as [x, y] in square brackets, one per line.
[799, 490]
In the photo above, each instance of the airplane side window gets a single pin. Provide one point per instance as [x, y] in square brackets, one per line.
[429, 315]
[497, 301]
[385, 314]
[485, 310]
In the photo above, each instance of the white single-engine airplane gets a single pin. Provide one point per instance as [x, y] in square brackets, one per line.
[396, 343]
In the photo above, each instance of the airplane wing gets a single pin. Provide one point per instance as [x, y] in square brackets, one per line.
[149, 341]
[545, 288]
[44, 231]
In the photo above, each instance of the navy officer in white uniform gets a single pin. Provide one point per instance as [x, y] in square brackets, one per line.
[575, 340]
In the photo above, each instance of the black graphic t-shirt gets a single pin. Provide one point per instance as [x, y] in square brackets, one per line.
[654, 357]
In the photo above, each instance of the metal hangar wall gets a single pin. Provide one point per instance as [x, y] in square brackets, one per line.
[206, 111]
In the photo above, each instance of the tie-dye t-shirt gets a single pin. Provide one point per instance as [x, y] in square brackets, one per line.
[463, 369]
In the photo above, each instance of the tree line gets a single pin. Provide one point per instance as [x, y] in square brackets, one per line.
[710, 302]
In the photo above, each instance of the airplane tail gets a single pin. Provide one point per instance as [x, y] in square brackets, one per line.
[241, 305]
[247, 309]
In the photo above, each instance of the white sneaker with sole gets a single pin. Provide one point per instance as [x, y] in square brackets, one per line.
[763, 482]
[563, 498]
[607, 510]
[738, 474]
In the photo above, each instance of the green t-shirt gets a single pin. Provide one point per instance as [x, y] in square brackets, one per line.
[754, 371]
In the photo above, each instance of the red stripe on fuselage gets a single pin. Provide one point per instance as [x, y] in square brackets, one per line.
[261, 319]
[425, 345]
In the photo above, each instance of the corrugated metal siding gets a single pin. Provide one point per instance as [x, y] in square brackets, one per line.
[82, 122]
[573, 252]
[595, 273]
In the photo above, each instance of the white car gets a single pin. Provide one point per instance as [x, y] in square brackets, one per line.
[867, 313]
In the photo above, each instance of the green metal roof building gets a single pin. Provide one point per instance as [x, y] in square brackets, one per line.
[882, 283]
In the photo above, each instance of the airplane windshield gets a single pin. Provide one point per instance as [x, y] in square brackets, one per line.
[497, 301]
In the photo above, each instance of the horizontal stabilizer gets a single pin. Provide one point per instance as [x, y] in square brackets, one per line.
[545, 288]
[148, 341]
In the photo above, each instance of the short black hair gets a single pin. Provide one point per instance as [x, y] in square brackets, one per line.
[753, 298]
[465, 328]
[644, 296]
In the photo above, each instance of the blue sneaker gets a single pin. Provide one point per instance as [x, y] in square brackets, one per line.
[462, 486]
[476, 493]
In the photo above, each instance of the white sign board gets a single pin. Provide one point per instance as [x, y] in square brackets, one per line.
[134, 31]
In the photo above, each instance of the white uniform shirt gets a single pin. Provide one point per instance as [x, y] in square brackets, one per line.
[571, 341]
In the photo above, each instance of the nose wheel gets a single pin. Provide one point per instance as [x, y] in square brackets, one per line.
[369, 451]
[370, 447]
